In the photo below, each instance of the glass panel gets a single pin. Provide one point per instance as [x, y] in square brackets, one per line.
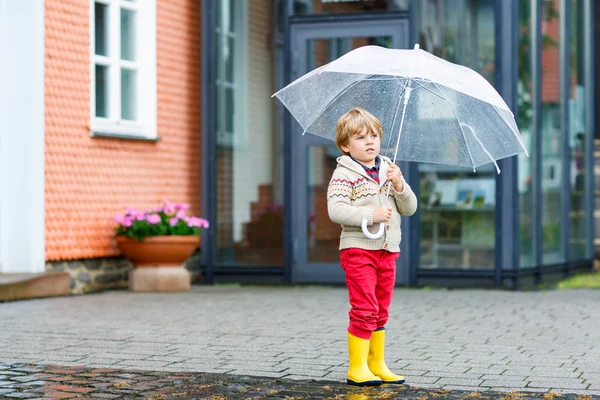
[460, 31]
[457, 206]
[577, 133]
[525, 123]
[128, 94]
[225, 15]
[305, 7]
[228, 60]
[323, 235]
[230, 105]
[101, 29]
[249, 198]
[128, 35]
[101, 89]
[551, 137]
[457, 217]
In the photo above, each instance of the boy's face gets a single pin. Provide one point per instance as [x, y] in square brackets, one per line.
[364, 147]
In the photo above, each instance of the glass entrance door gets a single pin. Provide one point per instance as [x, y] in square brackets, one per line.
[316, 238]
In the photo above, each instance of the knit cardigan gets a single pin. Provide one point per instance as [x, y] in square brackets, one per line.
[353, 196]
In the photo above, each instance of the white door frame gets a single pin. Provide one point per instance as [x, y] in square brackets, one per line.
[22, 227]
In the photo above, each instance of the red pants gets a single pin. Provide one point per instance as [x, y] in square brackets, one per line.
[370, 277]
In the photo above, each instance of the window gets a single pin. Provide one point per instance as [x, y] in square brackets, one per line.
[231, 73]
[123, 67]
[458, 207]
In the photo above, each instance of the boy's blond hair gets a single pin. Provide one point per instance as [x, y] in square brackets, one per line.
[352, 123]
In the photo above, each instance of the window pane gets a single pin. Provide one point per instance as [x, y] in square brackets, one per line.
[127, 35]
[525, 123]
[458, 217]
[323, 235]
[230, 114]
[128, 94]
[228, 60]
[552, 164]
[101, 29]
[458, 207]
[101, 91]
[231, 13]
[249, 205]
[577, 134]
[225, 15]
[304, 7]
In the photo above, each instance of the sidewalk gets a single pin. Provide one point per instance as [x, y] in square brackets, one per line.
[473, 340]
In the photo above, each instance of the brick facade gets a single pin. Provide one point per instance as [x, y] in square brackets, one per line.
[88, 180]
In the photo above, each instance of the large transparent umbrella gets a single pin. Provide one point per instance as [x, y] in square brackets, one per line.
[431, 110]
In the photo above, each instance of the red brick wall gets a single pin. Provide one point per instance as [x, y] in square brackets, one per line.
[550, 61]
[88, 180]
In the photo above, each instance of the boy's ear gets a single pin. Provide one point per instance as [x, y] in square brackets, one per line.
[345, 149]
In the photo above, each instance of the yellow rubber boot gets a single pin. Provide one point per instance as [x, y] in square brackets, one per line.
[376, 359]
[359, 373]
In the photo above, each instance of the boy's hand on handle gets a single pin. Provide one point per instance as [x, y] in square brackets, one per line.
[382, 214]
[394, 175]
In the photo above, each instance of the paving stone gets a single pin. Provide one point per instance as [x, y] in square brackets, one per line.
[558, 383]
[491, 332]
[459, 382]
[515, 383]
[468, 388]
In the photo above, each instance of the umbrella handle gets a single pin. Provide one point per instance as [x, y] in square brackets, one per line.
[372, 235]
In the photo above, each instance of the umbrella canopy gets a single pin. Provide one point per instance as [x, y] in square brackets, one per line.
[431, 110]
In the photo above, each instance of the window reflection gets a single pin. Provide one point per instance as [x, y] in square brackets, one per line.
[306, 7]
[249, 198]
[577, 129]
[323, 235]
[552, 164]
[528, 136]
[457, 205]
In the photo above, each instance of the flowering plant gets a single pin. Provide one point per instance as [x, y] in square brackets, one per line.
[166, 219]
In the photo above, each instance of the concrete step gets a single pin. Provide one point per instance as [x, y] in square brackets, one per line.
[30, 286]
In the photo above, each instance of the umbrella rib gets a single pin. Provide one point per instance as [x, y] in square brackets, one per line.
[396, 113]
[459, 124]
[511, 129]
[431, 91]
[334, 99]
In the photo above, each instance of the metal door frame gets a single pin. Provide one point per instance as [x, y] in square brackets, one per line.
[303, 271]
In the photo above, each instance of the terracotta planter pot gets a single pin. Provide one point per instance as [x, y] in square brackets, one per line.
[158, 251]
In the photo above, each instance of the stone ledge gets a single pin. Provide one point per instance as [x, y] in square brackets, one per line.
[159, 279]
[97, 274]
[17, 286]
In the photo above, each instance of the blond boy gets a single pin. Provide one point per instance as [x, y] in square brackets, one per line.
[357, 191]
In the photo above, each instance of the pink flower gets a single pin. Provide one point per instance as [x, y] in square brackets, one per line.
[182, 206]
[168, 207]
[127, 222]
[173, 221]
[131, 211]
[153, 218]
[197, 222]
[180, 214]
[118, 219]
[140, 217]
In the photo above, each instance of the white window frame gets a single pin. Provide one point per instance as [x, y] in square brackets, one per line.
[239, 137]
[145, 126]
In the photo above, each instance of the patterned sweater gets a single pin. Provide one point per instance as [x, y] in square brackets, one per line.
[352, 196]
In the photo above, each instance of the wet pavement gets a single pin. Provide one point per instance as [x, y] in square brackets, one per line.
[468, 341]
[26, 381]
